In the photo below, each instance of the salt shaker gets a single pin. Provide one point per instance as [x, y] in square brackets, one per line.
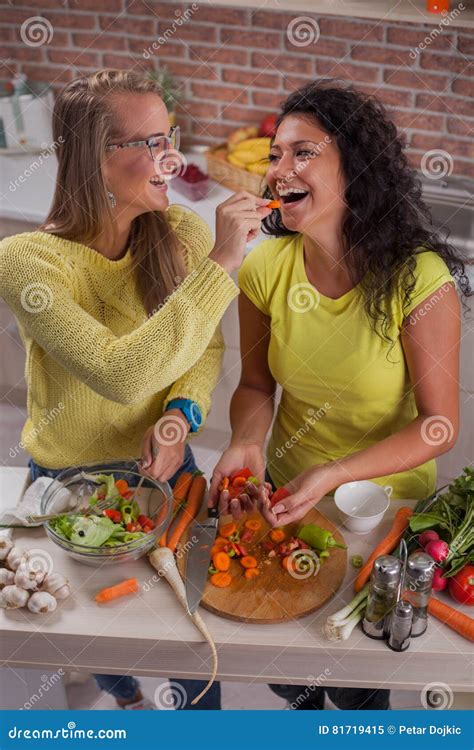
[417, 588]
[383, 590]
[400, 626]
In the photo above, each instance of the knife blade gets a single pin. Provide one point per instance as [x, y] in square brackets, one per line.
[198, 558]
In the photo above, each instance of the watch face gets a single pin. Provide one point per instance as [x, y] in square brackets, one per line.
[196, 416]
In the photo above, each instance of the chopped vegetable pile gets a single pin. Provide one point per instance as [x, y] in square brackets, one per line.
[122, 522]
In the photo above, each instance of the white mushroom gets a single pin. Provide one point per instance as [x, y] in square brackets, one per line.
[15, 557]
[41, 602]
[5, 546]
[26, 577]
[7, 577]
[57, 585]
[14, 597]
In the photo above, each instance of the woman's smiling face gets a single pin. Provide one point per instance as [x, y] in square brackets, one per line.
[130, 173]
[305, 174]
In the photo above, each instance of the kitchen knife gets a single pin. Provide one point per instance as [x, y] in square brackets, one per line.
[198, 558]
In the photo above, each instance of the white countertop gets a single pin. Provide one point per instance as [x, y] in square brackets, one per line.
[149, 634]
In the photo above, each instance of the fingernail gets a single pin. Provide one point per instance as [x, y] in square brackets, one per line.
[145, 463]
[279, 509]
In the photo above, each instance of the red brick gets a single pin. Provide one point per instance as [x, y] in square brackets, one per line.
[41, 4]
[139, 27]
[348, 72]
[139, 46]
[219, 55]
[338, 27]
[28, 54]
[48, 73]
[382, 55]
[8, 34]
[121, 61]
[466, 44]
[323, 47]
[190, 70]
[276, 63]
[190, 31]
[271, 19]
[215, 130]
[394, 97]
[268, 99]
[230, 16]
[197, 110]
[461, 167]
[463, 149]
[292, 83]
[419, 80]
[251, 78]
[99, 41]
[74, 58]
[220, 93]
[251, 39]
[159, 9]
[464, 87]
[243, 115]
[458, 65]
[417, 120]
[460, 126]
[444, 103]
[68, 20]
[105, 6]
[406, 36]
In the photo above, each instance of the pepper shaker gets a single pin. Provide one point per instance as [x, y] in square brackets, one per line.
[417, 588]
[383, 591]
[400, 626]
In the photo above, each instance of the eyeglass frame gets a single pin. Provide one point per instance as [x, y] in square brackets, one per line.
[173, 135]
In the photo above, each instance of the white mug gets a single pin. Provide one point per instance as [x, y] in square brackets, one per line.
[362, 505]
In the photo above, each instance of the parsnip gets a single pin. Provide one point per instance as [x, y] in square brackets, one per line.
[163, 560]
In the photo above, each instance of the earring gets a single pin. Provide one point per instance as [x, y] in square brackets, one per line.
[111, 198]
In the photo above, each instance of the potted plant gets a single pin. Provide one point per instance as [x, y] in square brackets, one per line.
[169, 91]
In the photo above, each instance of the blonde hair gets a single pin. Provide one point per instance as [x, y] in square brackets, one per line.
[83, 125]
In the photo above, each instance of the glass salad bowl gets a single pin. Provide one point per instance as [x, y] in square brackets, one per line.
[115, 534]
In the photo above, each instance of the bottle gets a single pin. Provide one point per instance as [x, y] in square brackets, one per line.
[383, 591]
[417, 588]
[400, 626]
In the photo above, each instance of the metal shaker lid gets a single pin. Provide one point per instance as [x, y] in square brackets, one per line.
[420, 566]
[386, 569]
[403, 609]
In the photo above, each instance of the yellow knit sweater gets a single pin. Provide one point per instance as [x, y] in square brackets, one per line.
[99, 371]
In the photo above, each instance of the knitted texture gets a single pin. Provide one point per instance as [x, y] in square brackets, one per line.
[100, 371]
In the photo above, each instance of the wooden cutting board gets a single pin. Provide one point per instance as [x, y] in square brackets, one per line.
[275, 595]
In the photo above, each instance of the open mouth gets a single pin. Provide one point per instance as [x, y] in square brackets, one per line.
[158, 182]
[292, 195]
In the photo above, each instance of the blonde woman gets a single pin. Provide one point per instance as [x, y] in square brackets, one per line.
[118, 298]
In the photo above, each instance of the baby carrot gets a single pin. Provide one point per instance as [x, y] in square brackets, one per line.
[273, 204]
[130, 586]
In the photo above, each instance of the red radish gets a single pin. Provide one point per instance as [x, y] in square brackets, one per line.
[439, 581]
[427, 536]
[438, 550]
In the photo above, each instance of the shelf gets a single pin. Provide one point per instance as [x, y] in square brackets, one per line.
[385, 10]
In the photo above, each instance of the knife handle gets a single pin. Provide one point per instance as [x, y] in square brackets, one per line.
[213, 512]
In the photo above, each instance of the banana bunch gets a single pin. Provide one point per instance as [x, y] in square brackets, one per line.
[248, 153]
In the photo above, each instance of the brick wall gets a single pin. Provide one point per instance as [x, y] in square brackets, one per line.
[235, 65]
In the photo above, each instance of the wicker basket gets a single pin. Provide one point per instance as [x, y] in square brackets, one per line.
[228, 174]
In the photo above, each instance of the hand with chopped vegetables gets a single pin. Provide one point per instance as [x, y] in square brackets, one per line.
[231, 462]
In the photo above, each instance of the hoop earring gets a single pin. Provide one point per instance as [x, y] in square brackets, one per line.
[111, 198]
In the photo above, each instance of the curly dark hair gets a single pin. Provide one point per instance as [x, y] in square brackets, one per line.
[387, 220]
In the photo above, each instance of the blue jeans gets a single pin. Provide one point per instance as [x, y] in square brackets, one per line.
[307, 698]
[126, 687]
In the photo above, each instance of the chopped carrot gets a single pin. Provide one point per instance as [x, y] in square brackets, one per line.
[252, 573]
[248, 561]
[193, 506]
[288, 563]
[224, 484]
[121, 485]
[129, 586]
[221, 561]
[219, 545]
[273, 204]
[228, 529]
[253, 524]
[387, 545]
[239, 481]
[277, 535]
[221, 579]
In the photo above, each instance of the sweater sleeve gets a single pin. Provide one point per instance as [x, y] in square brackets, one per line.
[124, 369]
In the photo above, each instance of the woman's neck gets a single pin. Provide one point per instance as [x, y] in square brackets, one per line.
[325, 264]
[110, 246]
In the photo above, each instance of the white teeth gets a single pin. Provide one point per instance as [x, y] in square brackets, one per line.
[287, 191]
[156, 181]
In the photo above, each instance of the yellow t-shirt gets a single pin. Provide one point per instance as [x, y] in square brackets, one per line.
[343, 388]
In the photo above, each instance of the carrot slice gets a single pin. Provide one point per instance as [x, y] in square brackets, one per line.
[288, 563]
[221, 561]
[227, 529]
[277, 535]
[129, 586]
[253, 524]
[252, 573]
[121, 485]
[221, 579]
[273, 204]
[248, 561]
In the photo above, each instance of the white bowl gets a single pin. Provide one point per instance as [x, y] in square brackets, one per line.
[362, 505]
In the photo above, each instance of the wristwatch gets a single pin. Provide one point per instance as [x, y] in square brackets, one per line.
[190, 409]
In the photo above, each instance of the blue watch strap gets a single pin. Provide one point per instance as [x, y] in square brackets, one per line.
[190, 409]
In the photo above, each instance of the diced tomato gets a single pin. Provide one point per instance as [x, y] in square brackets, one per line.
[247, 536]
[113, 514]
[128, 494]
[278, 495]
[145, 521]
[268, 545]
[241, 473]
[303, 545]
[242, 549]
[133, 526]
[147, 528]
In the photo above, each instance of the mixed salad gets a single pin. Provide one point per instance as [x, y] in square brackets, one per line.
[122, 522]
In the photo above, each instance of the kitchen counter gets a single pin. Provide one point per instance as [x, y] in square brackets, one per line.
[150, 635]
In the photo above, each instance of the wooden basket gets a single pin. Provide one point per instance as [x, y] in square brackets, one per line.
[228, 174]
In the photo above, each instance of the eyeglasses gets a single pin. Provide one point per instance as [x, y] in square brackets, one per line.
[156, 145]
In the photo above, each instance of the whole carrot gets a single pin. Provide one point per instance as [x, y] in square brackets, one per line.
[387, 545]
[189, 512]
[461, 623]
[130, 586]
[180, 493]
